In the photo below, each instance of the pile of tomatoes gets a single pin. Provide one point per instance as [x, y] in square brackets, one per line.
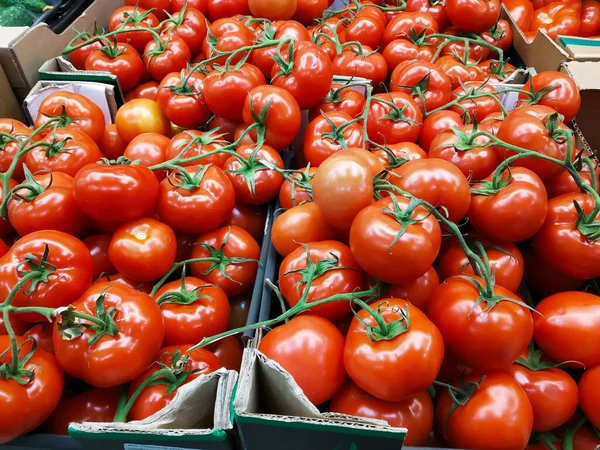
[438, 243]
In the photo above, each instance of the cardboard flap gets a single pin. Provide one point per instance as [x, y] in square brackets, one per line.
[585, 73]
[223, 404]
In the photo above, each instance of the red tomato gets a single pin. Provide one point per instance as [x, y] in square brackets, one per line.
[521, 12]
[556, 90]
[588, 394]
[181, 98]
[461, 73]
[500, 35]
[386, 368]
[122, 60]
[200, 5]
[417, 291]
[250, 218]
[19, 327]
[9, 147]
[437, 10]
[435, 124]
[292, 346]
[298, 191]
[484, 333]
[227, 244]
[479, 108]
[218, 9]
[402, 152]
[309, 10]
[113, 359]
[407, 23]
[544, 280]
[159, 7]
[558, 18]
[96, 405]
[462, 49]
[192, 310]
[170, 55]
[496, 70]
[98, 246]
[415, 413]
[341, 98]
[368, 64]
[112, 145]
[190, 26]
[133, 17]
[149, 149]
[414, 77]
[564, 183]
[473, 16]
[79, 56]
[141, 116]
[226, 127]
[147, 90]
[42, 333]
[196, 143]
[366, 27]
[229, 351]
[393, 118]
[405, 49]
[230, 35]
[590, 18]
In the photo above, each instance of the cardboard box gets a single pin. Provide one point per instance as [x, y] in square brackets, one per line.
[9, 105]
[23, 50]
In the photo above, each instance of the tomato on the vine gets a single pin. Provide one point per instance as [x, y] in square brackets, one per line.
[121, 60]
[393, 118]
[191, 27]
[132, 16]
[473, 16]
[171, 54]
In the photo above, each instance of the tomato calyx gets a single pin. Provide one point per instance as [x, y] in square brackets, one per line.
[183, 296]
[534, 97]
[285, 67]
[103, 323]
[120, 161]
[460, 395]
[337, 133]
[33, 188]
[392, 329]
[396, 114]
[534, 360]
[299, 179]
[403, 217]
[188, 182]
[19, 373]
[501, 69]
[38, 271]
[249, 167]
[545, 437]
[488, 188]
[586, 223]
[135, 17]
[496, 33]
[112, 50]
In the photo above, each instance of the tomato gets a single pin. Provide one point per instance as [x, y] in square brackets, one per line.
[384, 244]
[496, 70]
[19, 327]
[415, 413]
[498, 415]
[254, 182]
[141, 116]
[226, 127]
[521, 12]
[218, 9]
[462, 49]
[292, 346]
[190, 26]
[436, 123]
[407, 23]
[192, 310]
[200, 5]
[556, 90]
[50, 205]
[71, 271]
[304, 223]
[143, 250]
[122, 61]
[341, 98]
[128, 17]
[515, 212]
[461, 73]
[485, 334]
[196, 143]
[417, 291]
[422, 77]
[116, 193]
[566, 328]
[159, 7]
[147, 90]
[273, 9]
[366, 28]
[24, 407]
[386, 368]
[10, 147]
[181, 98]
[96, 405]
[229, 35]
[196, 200]
[438, 182]
[473, 16]
[331, 133]
[564, 183]
[133, 347]
[590, 18]
[433, 7]
[79, 56]
[227, 244]
[229, 351]
[393, 118]
[235, 84]
[500, 35]
[42, 333]
[368, 64]
[309, 10]
[149, 149]
[112, 145]
[75, 111]
[403, 152]
[406, 49]
[299, 191]
[558, 19]
[157, 396]
[544, 280]
[170, 55]
[282, 117]
[479, 108]
[98, 246]
[250, 218]
[588, 394]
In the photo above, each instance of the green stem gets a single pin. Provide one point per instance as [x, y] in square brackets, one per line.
[123, 410]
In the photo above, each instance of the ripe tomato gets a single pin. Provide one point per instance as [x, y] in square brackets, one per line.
[422, 78]
[143, 250]
[149, 149]
[170, 55]
[309, 10]
[98, 246]
[235, 84]
[42, 333]
[514, 213]
[218, 9]
[403, 152]
[393, 118]
[159, 7]
[192, 143]
[192, 310]
[544, 280]
[133, 347]
[560, 242]
[181, 98]
[229, 35]
[10, 147]
[322, 139]
[19, 326]
[227, 244]
[564, 183]
[250, 218]
[148, 90]
[415, 413]
[417, 291]
[485, 334]
[303, 223]
[71, 272]
[157, 396]
[254, 182]
[141, 116]
[438, 182]
[299, 191]
[405, 49]
[339, 274]
[473, 16]
[435, 124]
[79, 56]
[132, 17]
[291, 345]
[112, 145]
[366, 28]
[196, 200]
[496, 70]
[436, 9]
[407, 23]
[368, 64]
[122, 60]
[386, 368]
[281, 119]
[500, 35]
[116, 193]
[49, 206]
[459, 72]
[461, 49]
[24, 407]
[200, 5]
[521, 12]
[566, 328]
[75, 111]
[479, 108]
[229, 351]
[498, 415]
[588, 394]
[590, 18]
[341, 98]
[96, 405]
[190, 26]
[558, 18]
[555, 90]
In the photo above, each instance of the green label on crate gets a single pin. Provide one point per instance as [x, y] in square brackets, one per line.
[150, 447]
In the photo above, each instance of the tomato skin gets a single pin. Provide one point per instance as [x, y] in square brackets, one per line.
[9, 148]
[112, 145]
[98, 246]
[340, 99]
[289, 345]
[435, 124]
[418, 291]
[479, 108]
[588, 394]
[85, 115]
[72, 276]
[406, 22]
[438, 182]
[437, 10]
[405, 128]
[291, 195]
[26, 407]
[143, 250]
[467, 327]
[54, 209]
[414, 413]
[590, 18]
[184, 109]
[42, 333]
[141, 116]
[160, 7]
[438, 91]
[233, 242]
[561, 244]
[218, 9]
[308, 10]
[116, 193]
[206, 316]
[566, 328]
[231, 35]
[400, 50]
[192, 29]
[137, 39]
[154, 398]
[403, 151]
[544, 280]
[303, 223]
[184, 139]
[96, 405]
[558, 18]
[140, 335]
[127, 66]
[250, 218]
[460, 73]
[545, 388]
[564, 183]
[521, 12]
[79, 56]
[366, 27]
[174, 56]
[198, 210]
[149, 149]
[498, 415]
[386, 368]
[200, 5]
[473, 16]
[371, 65]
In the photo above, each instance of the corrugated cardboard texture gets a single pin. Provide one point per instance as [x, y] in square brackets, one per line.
[9, 105]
